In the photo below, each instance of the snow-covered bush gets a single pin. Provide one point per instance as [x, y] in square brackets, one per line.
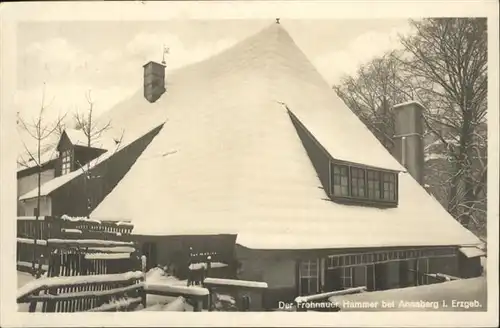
[224, 303]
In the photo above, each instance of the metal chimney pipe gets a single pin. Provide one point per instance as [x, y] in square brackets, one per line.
[408, 139]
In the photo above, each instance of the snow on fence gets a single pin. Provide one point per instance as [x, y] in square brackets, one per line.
[239, 290]
[327, 295]
[107, 256]
[32, 241]
[197, 294]
[125, 304]
[112, 249]
[441, 277]
[24, 266]
[82, 293]
[204, 266]
[87, 242]
[72, 231]
[218, 282]
[177, 305]
[46, 227]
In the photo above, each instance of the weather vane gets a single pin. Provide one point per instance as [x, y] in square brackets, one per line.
[165, 51]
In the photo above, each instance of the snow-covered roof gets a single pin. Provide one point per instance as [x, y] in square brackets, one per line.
[407, 103]
[25, 161]
[59, 181]
[472, 252]
[229, 159]
[78, 138]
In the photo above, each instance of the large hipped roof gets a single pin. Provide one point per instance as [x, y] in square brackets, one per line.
[229, 160]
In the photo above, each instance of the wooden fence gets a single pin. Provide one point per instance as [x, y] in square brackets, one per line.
[90, 265]
[93, 266]
[47, 228]
[85, 275]
[102, 292]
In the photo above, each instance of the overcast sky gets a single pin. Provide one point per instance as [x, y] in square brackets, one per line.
[107, 57]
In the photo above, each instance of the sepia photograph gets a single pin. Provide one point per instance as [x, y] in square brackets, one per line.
[265, 163]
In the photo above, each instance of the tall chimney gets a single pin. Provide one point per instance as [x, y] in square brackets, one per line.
[154, 81]
[409, 144]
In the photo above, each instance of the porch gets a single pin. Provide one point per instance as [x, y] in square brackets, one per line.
[379, 270]
[292, 273]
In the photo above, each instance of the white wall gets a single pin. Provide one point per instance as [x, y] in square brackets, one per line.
[29, 206]
[30, 182]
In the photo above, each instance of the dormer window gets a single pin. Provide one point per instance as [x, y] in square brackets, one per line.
[357, 182]
[373, 178]
[389, 186]
[358, 185]
[66, 161]
[340, 180]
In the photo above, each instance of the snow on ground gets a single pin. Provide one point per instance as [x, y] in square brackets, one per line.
[157, 302]
[45, 282]
[153, 302]
[23, 278]
[472, 291]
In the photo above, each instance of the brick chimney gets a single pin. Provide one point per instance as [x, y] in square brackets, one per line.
[154, 81]
[408, 139]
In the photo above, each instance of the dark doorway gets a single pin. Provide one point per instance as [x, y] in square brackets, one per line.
[370, 277]
[332, 280]
[381, 276]
[405, 279]
[149, 249]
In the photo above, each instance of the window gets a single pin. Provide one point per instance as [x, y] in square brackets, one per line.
[340, 181]
[346, 277]
[309, 273]
[373, 184]
[357, 182]
[350, 183]
[66, 162]
[389, 186]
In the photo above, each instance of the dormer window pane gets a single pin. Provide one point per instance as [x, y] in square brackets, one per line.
[389, 186]
[358, 182]
[66, 161]
[354, 184]
[340, 181]
[373, 184]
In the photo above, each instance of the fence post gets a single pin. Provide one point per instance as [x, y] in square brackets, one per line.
[210, 300]
[198, 304]
[143, 290]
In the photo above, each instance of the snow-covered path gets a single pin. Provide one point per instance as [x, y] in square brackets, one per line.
[459, 295]
[22, 279]
[157, 302]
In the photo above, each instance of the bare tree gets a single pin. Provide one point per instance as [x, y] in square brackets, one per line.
[451, 55]
[93, 131]
[40, 131]
[372, 93]
[85, 122]
[443, 66]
